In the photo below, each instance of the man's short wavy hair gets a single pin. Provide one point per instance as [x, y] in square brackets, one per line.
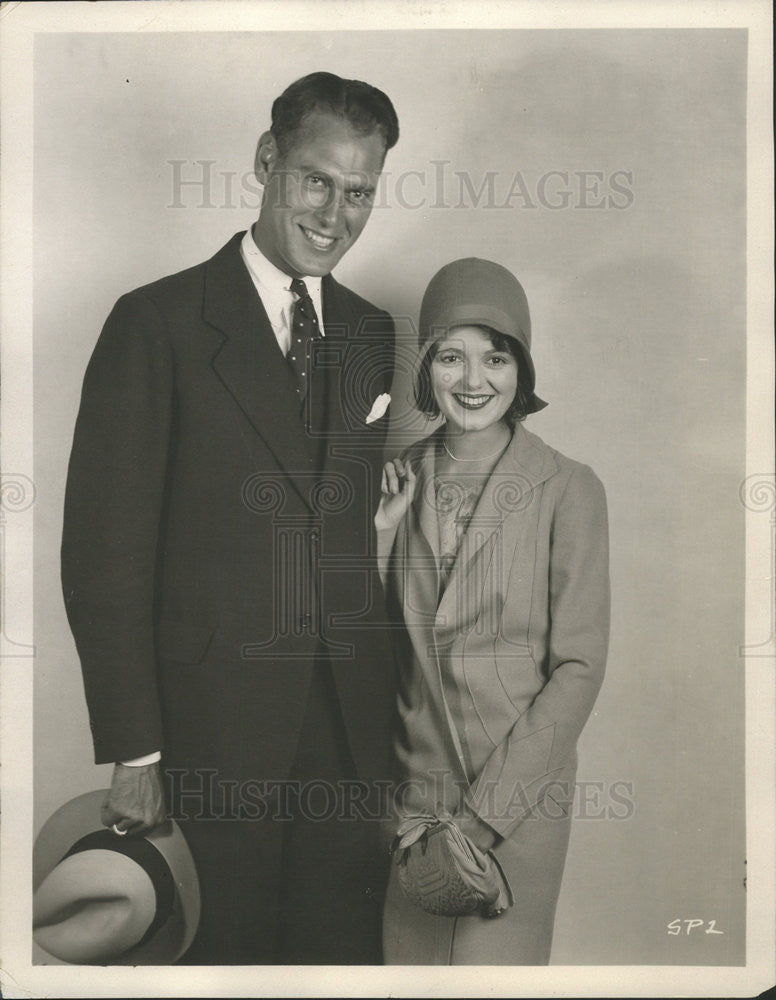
[364, 107]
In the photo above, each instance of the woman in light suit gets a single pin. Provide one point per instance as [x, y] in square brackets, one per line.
[494, 549]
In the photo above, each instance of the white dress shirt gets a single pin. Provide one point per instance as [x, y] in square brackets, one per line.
[274, 288]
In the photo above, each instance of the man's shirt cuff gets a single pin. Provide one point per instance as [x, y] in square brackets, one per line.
[150, 758]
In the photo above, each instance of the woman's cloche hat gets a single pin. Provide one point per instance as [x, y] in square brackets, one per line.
[476, 292]
[103, 899]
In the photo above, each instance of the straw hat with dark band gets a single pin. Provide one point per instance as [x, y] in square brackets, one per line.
[100, 899]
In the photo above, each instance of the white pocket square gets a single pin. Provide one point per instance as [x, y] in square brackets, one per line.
[379, 407]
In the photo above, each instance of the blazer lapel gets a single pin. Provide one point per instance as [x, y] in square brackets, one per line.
[425, 501]
[251, 365]
[509, 491]
[420, 572]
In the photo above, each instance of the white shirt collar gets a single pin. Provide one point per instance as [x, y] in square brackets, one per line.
[274, 285]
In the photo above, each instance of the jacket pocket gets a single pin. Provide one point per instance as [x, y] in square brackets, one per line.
[182, 642]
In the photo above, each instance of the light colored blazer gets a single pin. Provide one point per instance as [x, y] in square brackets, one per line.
[513, 655]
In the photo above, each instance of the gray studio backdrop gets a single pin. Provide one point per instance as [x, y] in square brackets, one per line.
[607, 169]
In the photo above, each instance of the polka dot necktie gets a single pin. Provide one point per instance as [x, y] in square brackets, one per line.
[304, 328]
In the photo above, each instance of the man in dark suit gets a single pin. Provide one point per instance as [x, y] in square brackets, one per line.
[218, 557]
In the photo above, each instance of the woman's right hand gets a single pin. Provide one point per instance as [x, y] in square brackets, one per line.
[398, 488]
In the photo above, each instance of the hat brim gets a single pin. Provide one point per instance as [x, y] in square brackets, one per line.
[81, 816]
[535, 404]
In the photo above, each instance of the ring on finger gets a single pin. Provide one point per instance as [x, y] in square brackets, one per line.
[120, 833]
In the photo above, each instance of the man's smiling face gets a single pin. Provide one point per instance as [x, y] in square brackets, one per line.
[318, 195]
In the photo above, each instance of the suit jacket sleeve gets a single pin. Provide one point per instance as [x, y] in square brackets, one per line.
[113, 509]
[543, 741]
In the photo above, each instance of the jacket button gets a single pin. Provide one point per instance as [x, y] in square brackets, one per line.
[305, 620]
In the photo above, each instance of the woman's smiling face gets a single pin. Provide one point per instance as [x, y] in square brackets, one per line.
[474, 384]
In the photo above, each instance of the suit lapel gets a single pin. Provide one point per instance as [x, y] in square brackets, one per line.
[333, 348]
[251, 365]
[345, 362]
[349, 357]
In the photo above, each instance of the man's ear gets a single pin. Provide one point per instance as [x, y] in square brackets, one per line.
[266, 157]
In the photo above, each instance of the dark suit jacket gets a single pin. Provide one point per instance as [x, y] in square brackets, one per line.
[211, 540]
